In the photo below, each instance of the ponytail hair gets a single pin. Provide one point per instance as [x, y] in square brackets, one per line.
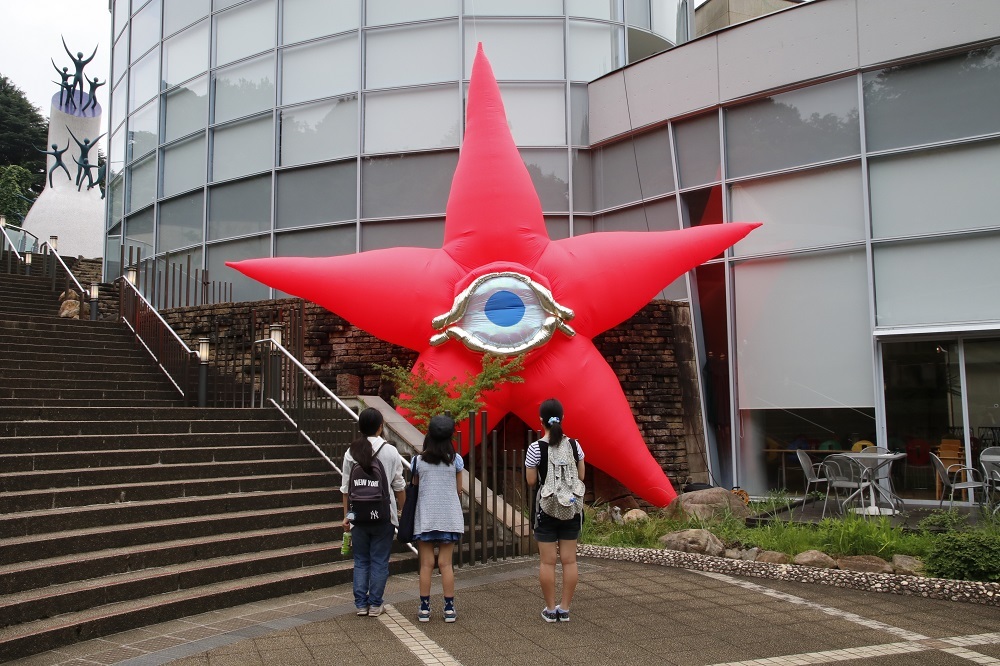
[551, 413]
[369, 421]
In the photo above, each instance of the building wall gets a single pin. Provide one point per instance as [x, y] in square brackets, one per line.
[718, 14]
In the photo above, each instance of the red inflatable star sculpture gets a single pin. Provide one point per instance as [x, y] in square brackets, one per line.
[498, 284]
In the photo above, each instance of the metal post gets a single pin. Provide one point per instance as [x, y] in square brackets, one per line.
[203, 372]
[27, 262]
[95, 291]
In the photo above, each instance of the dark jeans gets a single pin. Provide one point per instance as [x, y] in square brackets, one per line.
[372, 545]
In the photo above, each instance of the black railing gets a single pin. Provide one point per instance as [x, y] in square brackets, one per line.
[168, 283]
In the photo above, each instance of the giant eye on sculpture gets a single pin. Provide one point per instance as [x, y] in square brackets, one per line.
[502, 313]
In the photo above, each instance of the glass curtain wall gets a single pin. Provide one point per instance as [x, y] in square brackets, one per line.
[225, 112]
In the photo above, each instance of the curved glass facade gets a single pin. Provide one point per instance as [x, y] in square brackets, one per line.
[257, 128]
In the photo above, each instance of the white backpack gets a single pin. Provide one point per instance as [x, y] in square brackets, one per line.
[561, 494]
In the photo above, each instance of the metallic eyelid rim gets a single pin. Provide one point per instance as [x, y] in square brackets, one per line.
[540, 337]
[461, 303]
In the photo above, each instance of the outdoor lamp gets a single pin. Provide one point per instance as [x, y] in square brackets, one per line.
[27, 262]
[3, 220]
[203, 349]
[95, 291]
[203, 372]
[131, 274]
[54, 243]
[274, 385]
[276, 333]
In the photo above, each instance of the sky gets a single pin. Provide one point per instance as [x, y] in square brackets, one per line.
[31, 36]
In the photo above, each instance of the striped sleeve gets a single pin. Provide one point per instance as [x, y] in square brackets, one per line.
[533, 455]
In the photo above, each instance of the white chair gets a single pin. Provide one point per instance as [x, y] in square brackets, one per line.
[844, 473]
[814, 476]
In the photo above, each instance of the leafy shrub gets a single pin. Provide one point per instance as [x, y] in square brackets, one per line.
[944, 521]
[965, 556]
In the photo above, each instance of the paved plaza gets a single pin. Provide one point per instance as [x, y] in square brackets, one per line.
[623, 613]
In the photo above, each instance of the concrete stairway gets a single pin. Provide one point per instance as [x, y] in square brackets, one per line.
[120, 508]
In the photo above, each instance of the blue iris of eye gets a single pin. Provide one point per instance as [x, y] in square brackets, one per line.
[504, 308]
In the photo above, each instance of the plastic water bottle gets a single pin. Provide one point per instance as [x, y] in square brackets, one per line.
[345, 545]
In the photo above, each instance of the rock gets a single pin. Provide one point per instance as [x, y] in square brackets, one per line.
[69, 295]
[616, 516]
[772, 557]
[601, 516]
[693, 541]
[70, 309]
[905, 565]
[733, 554]
[707, 505]
[867, 563]
[635, 515]
[815, 558]
[750, 554]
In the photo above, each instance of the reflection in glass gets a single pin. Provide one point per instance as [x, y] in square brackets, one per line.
[314, 195]
[550, 175]
[505, 42]
[794, 128]
[180, 222]
[580, 111]
[185, 109]
[118, 112]
[145, 27]
[116, 155]
[403, 11]
[180, 13]
[406, 184]
[306, 71]
[616, 178]
[557, 226]
[239, 208]
[697, 144]
[184, 166]
[412, 119]
[659, 215]
[408, 233]
[185, 55]
[430, 55]
[793, 220]
[244, 89]
[319, 131]
[637, 13]
[244, 289]
[594, 49]
[143, 131]
[513, 7]
[642, 44]
[121, 14]
[536, 113]
[119, 58]
[144, 80]
[982, 379]
[325, 242]
[709, 286]
[243, 31]
[306, 19]
[116, 200]
[242, 148]
[583, 192]
[609, 10]
[652, 157]
[142, 183]
[139, 234]
[948, 189]
[949, 98]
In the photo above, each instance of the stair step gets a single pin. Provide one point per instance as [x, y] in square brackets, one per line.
[137, 413]
[56, 403]
[85, 382]
[55, 323]
[79, 340]
[31, 638]
[23, 429]
[71, 393]
[56, 498]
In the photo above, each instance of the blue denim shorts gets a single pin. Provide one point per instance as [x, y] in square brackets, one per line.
[437, 536]
[550, 530]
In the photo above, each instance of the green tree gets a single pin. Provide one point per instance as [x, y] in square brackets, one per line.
[16, 196]
[22, 130]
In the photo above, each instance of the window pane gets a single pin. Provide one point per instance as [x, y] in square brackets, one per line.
[325, 242]
[637, 13]
[505, 42]
[118, 112]
[142, 183]
[319, 131]
[240, 208]
[804, 338]
[184, 166]
[659, 215]
[594, 49]
[609, 10]
[145, 29]
[139, 234]
[941, 281]
[557, 226]
[536, 114]
[982, 378]
[186, 109]
[550, 175]
[144, 80]
[698, 150]
[315, 195]
[411, 233]
[403, 11]
[244, 89]
[580, 110]
[121, 14]
[794, 128]
[412, 119]
[430, 55]
[306, 19]
[244, 289]
[243, 31]
[652, 156]
[116, 155]
[243, 148]
[583, 178]
[787, 205]
[406, 184]
[185, 55]
[142, 131]
[938, 190]
[616, 176]
[306, 71]
[119, 58]
[180, 13]
[950, 98]
[116, 200]
[218, 5]
[513, 7]
[180, 222]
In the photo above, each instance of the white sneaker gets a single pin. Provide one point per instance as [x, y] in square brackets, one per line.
[375, 611]
[363, 611]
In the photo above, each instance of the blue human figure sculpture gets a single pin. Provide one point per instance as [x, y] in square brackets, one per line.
[84, 173]
[85, 147]
[56, 153]
[65, 87]
[94, 85]
[80, 62]
[99, 180]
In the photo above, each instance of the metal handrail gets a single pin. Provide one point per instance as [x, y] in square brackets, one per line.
[65, 267]
[13, 246]
[308, 374]
[124, 280]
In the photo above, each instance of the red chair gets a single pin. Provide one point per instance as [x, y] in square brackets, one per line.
[918, 457]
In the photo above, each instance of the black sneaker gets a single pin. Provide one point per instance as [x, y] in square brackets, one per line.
[562, 615]
[549, 615]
